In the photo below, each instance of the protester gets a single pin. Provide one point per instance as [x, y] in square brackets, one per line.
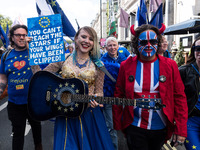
[70, 49]
[190, 77]
[150, 76]
[16, 72]
[124, 51]
[112, 60]
[163, 48]
[89, 130]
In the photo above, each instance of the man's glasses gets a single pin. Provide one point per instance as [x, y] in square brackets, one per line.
[196, 48]
[145, 42]
[20, 35]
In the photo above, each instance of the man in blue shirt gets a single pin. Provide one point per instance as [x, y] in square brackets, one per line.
[112, 60]
[123, 51]
[16, 72]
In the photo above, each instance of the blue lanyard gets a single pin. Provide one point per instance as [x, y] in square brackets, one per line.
[195, 69]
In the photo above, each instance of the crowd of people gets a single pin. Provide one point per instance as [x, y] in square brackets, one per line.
[155, 100]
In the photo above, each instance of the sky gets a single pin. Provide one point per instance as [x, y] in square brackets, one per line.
[83, 10]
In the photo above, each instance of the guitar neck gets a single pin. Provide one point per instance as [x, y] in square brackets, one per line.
[109, 100]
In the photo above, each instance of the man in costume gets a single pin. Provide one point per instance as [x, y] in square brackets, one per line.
[156, 84]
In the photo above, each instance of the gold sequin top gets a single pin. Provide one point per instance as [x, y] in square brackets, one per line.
[90, 74]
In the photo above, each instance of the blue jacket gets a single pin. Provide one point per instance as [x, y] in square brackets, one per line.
[112, 66]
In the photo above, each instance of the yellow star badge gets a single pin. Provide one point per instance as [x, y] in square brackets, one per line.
[194, 147]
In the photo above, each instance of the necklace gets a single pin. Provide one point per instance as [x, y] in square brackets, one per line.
[81, 65]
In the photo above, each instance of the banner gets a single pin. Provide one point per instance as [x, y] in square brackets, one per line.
[47, 44]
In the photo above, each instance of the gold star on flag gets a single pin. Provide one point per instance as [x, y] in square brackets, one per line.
[28, 68]
[26, 56]
[20, 56]
[15, 57]
[13, 72]
[8, 65]
[60, 85]
[18, 74]
[72, 85]
[11, 61]
[53, 3]
[9, 69]
[186, 141]
[24, 72]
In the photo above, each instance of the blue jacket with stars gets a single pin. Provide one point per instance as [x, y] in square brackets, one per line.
[18, 71]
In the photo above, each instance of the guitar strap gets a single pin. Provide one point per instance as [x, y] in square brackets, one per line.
[99, 65]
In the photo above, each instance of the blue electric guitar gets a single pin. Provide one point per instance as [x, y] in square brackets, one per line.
[50, 96]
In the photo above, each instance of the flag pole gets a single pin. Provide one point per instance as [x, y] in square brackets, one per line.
[100, 19]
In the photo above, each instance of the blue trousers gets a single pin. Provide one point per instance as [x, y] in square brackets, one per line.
[193, 133]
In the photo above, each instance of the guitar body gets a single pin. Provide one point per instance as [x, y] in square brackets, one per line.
[48, 96]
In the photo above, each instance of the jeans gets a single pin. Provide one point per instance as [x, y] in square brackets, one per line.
[18, 114]
[107, 111]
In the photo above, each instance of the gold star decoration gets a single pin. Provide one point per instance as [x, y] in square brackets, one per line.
[60, 85]
[20, 56]
[66, 84]
[194, 147]
[15, 57]
[11, 61]
[18, 74]
[56, 90]
[9, 69]
[59, 108]
[53, 3]
[54, 95]
[24, 72]
[55, 102]
[71, 109]
[77, 91]
[25, 56]
[76, 105]
[72, 85]
[13, 72]
[65, 110]
[28, 68]
[8, 65]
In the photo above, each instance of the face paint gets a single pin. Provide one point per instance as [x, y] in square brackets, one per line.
[148, 43]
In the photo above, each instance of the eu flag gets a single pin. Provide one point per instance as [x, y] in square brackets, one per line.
[68, 29]
[157, 18]
[4, 37]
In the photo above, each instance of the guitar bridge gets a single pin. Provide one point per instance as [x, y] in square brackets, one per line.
[48, 95]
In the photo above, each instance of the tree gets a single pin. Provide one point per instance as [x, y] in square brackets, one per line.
[3, 22]
[179, 56]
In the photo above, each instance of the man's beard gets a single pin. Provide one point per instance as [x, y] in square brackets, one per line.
[20, 47]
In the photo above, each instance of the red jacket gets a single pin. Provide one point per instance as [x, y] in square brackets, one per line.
[171, 93]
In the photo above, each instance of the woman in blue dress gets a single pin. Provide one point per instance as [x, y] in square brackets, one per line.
[88, 131]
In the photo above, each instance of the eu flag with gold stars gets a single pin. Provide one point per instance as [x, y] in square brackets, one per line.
[68, 29]
[4, 37]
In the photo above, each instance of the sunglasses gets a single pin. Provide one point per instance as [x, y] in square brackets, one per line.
[196, 48]
[145, 42]
[19, 35]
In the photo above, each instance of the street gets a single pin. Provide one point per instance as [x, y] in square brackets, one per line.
[47, 134]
